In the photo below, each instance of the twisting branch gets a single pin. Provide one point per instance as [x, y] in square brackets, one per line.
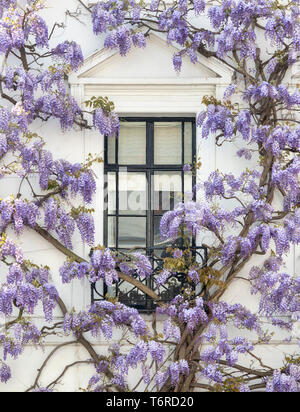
[71, 365]
[54, 242]
[44, 364]
[85, 6]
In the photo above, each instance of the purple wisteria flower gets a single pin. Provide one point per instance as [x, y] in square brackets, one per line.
[5, 373]
[288, 381]
[107, 123]
[70, 53]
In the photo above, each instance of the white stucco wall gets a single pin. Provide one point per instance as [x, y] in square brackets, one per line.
[142, 83]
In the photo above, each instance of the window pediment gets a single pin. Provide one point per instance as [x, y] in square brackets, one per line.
[145, 81]
[150, 65]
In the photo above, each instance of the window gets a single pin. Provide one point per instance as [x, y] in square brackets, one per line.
[144, 179]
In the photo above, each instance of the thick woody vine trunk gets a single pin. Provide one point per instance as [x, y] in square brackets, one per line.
[188, 347]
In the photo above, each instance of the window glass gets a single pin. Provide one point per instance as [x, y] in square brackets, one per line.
[132, 193]
[188, 187]
[132, 232]
[111, 231]
[156, 231]
[158, 241]
[167, 191]
[111, 192]
[111, 150]
[132, 143]
[188, 142]
[167, 143]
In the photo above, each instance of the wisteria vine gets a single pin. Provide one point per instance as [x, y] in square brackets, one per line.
[248, 216]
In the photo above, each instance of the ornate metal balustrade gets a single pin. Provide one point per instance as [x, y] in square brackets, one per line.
[131, 296]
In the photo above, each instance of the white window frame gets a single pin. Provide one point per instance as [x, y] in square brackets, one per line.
[144, 97]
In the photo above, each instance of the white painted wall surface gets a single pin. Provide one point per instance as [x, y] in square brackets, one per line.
[143, 83]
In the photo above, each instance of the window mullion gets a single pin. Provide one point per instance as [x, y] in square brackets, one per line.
[194, 178]
[150, 224]
[182, 159]
[117, 190]
[150, 144]
[182, 144]
[150, 174]
[117, 209]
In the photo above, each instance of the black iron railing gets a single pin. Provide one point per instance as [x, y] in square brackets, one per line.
[132, 296]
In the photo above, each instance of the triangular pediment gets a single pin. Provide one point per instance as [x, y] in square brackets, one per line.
[152, 63]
